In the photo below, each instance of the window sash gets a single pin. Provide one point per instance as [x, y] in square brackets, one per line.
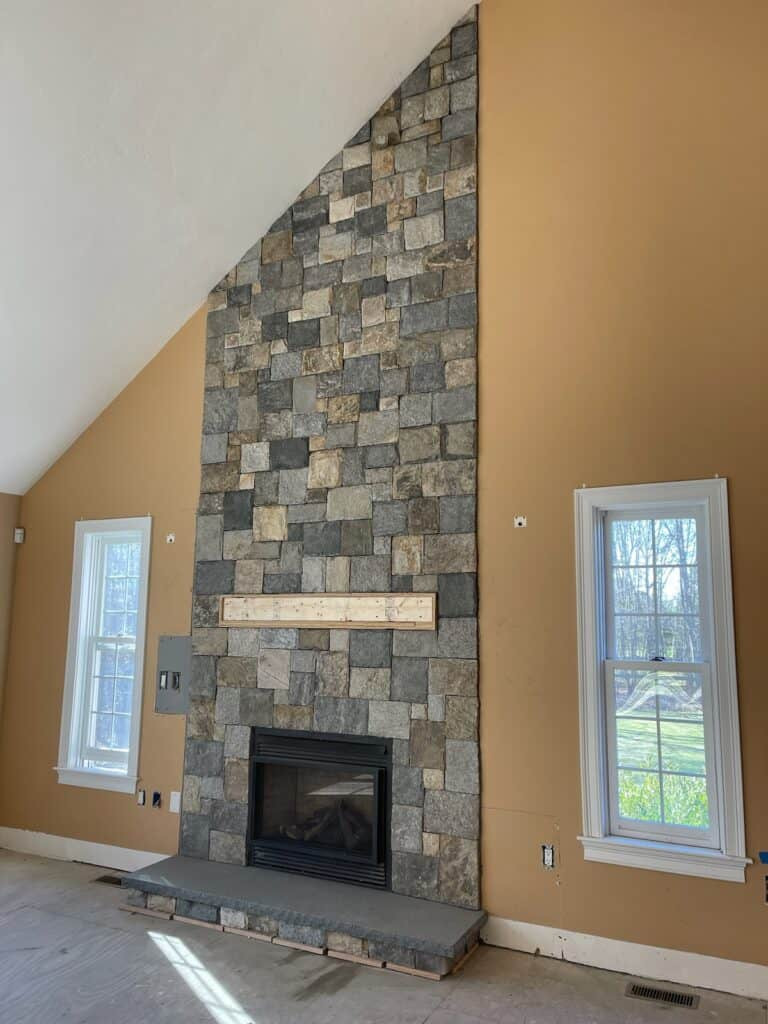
[658, 830]
[77, 753]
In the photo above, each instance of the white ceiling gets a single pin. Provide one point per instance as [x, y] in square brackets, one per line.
[145, 147]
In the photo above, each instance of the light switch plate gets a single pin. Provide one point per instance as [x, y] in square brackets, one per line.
[175, 802]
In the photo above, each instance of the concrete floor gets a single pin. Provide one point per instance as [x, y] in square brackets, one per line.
[68, 955]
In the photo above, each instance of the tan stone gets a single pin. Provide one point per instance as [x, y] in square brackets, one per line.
[321, 360]
[325, 469]
[278, 246]
[373, 310]
[337, 575]
[406, 555]
[430, 841]
[335, 247]
[343, 409]
[460, 373]
[316, 303]
[433, 778]
[460, 181]
[342, 209]
[269, 523]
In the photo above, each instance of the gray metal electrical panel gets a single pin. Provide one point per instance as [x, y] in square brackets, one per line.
[174, 668]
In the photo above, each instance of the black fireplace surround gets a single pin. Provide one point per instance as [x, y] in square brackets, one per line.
[320, 805]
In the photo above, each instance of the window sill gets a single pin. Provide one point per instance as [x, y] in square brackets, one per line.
[96, 780]
[678, 860]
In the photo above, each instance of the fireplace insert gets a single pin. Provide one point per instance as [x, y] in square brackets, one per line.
[319, 805]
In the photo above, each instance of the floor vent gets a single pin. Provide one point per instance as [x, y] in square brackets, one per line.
[109, 879]
[639, 990]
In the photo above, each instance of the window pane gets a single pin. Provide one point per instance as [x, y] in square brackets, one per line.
[675, 541]
[680, 695]
[121, 732]
[114, 595]
[125, 661]
[117, 559]
[123, 695]
[633, 590]
[682, 747]
[639, 796]
[679, 590]
[635, 692]
[105, 694]
[102, 731]
[680, 637]
[686, 801]
[134, 559]
[634, 637]
[637, 743]
[632, 542]
[113, 624]
[132, 595]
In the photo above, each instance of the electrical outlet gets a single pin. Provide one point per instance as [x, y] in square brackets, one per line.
[141, 797]
[548, 856]
[520, 522]
[174, 805]
[156, 798]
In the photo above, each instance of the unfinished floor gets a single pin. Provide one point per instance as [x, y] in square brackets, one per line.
[68, 955]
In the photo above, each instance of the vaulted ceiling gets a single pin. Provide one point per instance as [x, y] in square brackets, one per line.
[145, 147]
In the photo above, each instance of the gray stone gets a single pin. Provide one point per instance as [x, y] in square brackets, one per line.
[453, 814]
[340, 714]
[415, 410]
[361, 374]
[208, 544]
[228, 705]
[457, 595]
[333, 674]
[229, 816]
[203, 757]
[203, 677]
[415, 643]
[462, 310]
[220, 410]
[414, 875]
[195, 835]
[349, 503]
[237, 740]
[457, 638]
[370, 683]
[369, 573]
[457, 514]
[303, 688]
[407, 786]
[409, 679]
[256, 707]
[455, 406]
[378, 427]
[406, 828]
[215, 577]
[292, 488]
[453, 676]
[227, 847]
[370, 648]
[389, 517]
[322, 538]
[427, 744]
[356, 537]
[424, 317]
[461, 217]
[419, 444]
[244, 643]
[462, 770]
[214, 448]
[302, 933]
[290, 453]
[460, 440]
[197, 911]
[389, 718]
[450, 553]
[459, 872]
[461, 123]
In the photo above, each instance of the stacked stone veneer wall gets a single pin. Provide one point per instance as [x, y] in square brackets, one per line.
[339, 454]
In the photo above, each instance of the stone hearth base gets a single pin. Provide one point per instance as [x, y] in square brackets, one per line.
[366, 925]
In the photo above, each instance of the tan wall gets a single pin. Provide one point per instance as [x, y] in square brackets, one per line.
[9, 513]
[623, 255]
[141, 456]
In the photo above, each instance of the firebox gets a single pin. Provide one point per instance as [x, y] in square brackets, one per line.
[320, 805]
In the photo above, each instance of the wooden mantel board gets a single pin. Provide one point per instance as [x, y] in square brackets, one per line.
[330, 611]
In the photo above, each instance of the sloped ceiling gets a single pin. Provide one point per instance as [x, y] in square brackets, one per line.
[145, 147]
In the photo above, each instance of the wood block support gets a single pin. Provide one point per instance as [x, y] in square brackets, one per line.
[330, 611]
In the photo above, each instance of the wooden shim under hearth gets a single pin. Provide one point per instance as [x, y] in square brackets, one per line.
[330, 611]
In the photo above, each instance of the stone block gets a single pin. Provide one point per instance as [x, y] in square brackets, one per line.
[461, 217]
[203, 757]
[457, 514]
[274, 669]
[406, 828]
[415, 411]
[428, 744]
[420, 444]
[389, 718]
[214, 577]
[378, 427]
[349, 503]
[256, 707]
[198, 911]
[462, 770]
[341, 715]
[361, 374]
[270, 523]
[343, 409]
[417, 643]
[313, 575]
[343, 943]
[409, 679]
[448, 478]
[195, 835]
[229, 816]
[369, 573]
[460, 717]
[370, 683]
[289, 453]
[203, 676]
[213, 448]
[423, 231]
[325, 469]
[457, 594]
[233, 918]
[455, 406]
[337, 575]
[370, 648]
[227, 707]
[305, 934]
[407, 785]
[389, 517]
[452, 814]
[322, 538]
[450, 553]
[208, 543]
[459, 872]
[249, 576]
[356, 537]
[413, 874]
[292, 488]
[410, 155]
[457, 638]
[333, 674]
[407, 554]
[237, 739]
[453, 676]
[423, 318]
[227, 848]
[326, 359]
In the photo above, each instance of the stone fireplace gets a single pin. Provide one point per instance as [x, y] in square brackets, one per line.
[339, 457]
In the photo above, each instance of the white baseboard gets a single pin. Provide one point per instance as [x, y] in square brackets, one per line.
[63, 848]
[673, 965]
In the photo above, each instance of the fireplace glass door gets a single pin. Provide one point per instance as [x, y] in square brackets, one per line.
[317, 816]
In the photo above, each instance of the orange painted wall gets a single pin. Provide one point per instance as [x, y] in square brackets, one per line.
[141, 456]
[9, 511]
[624, 318]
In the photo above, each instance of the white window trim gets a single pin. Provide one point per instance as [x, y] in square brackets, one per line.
[70, 773]
[727, 863]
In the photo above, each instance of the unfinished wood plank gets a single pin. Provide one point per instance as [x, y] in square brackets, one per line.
[460, 963]
[145, 911]
[299, 945]
[402, 969]
[330, 611]
[198, 924]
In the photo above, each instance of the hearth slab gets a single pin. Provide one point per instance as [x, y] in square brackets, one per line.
[384, 917]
